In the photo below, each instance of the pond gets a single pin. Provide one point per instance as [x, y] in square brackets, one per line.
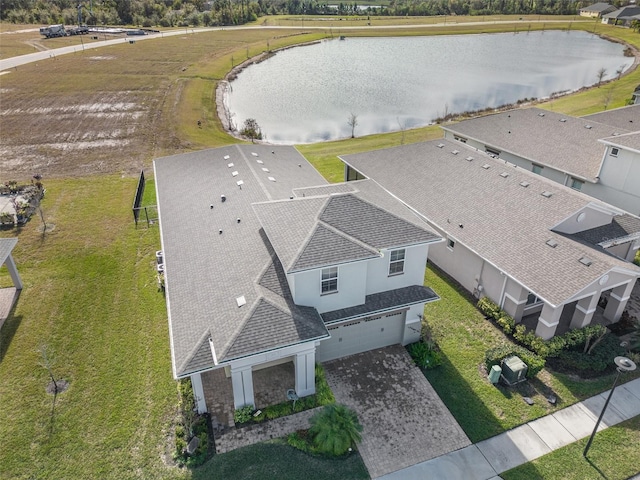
[308, 94]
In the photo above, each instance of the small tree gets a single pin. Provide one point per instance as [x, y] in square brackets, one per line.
[352, 121]
[251, 130]
[601, 74]
[334, 429]
[47, 360]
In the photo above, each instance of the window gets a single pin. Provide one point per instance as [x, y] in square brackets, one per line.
[329, 280]
[576, 184]
[396, 262]
[492, 152]
[532, 299]
[450, 244]
[537, 169]
[614, 152]
[460, 139]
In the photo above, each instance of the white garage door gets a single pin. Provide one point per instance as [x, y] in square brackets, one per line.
[361, 335]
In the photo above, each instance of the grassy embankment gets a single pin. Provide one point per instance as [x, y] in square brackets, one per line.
[90, 294]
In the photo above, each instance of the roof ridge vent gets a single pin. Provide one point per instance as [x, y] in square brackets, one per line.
[455, 152]
[486, 166]
[227, 157]
[563, 120]
[229, 165]
[469, 158]
[588, 127]
[440, 145]
[586, 261]
[241, 300]
[504, 174]
[546, 194]
[541, 114]
[524, 184]
[552, 243]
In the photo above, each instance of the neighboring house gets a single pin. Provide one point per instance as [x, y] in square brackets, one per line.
[597, 10]
[568, 150]
[257, 273]
[623, 16]
[548, 255]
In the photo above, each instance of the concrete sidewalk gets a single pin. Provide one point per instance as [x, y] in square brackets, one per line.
[487, 459]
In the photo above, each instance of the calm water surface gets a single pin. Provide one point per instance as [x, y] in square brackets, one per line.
[307, 94]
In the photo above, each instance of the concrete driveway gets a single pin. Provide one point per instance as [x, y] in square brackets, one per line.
[404, 421]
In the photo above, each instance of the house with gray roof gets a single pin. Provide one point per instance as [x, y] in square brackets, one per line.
[578, 152]
[623, 16]
[547, 254]
[597, 10]
[266, 263]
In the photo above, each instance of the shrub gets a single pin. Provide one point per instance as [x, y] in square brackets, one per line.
[506, 322]
[424, 355]
[243, 414]
[599, 360]
[489, 308]
[494, 356]
[334, 429]
[324, 395]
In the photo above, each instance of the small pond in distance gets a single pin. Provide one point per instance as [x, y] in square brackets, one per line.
[307, 94]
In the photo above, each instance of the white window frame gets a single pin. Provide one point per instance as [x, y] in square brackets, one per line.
[451, 244]
[396, 265]
[537, 169]
[329, 280]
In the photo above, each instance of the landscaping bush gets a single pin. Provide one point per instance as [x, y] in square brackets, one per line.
[494, 356]
[489, 308]
[599, 360]
[425, 355]
[190, 425]
[243, 414]
[334, 429]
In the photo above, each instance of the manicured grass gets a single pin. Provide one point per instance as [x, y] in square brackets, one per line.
[276, 460]
[614, 455]
[481, 409]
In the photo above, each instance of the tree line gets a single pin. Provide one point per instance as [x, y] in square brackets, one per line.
[182, 13]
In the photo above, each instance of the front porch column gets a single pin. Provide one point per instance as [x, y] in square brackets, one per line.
[515, 300]
[618, 301]
[305, 365]
[198, 393]
[242, 383]
[13, 271]
[584, 311]
[548, 321]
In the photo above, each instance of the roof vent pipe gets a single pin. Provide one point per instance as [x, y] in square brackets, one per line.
[223, 198]
[238, 219]
[220, 231]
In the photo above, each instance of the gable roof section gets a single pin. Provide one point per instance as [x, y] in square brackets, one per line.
[561, 142]
[623, 227]
[496, 217]
[205, 271]
[315, 232]
[599, 8]
[625, 13]
[629, 141]
[6, 247]
[623, 118]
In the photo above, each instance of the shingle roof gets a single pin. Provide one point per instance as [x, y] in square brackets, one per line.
[623, 118]
[624, 13]
[598, 7]
[329, 230]
[383, 301]
[206, 270]
[6, 246]
[565, 143]
[501, 220]
[622, 227]
[629, 141]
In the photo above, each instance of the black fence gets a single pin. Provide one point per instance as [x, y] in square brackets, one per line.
[150, 212]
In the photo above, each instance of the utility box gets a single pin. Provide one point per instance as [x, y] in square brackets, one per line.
[514, 370]
[494, 374]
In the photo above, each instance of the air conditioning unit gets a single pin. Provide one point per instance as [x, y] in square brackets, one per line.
[514, 370]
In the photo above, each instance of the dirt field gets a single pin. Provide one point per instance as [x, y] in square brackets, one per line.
[103, 110]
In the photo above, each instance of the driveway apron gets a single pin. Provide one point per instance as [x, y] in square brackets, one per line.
[404, 421]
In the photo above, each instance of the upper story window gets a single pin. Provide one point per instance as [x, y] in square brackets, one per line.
[396, 262]
[329, 280]
[460, 139]
[532, 299]
[576, 184]
[537, 169]
[614, 152]
[450, 244]
[492, 152]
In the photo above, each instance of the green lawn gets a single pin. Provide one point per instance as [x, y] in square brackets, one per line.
[481, 409]
[614, 455]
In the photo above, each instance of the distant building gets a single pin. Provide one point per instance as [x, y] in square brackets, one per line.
[623, 17]
[597, 10]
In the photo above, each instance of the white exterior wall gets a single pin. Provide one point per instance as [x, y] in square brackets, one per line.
[577, 222]
[378, 279]
[461, 263]
[352, 282]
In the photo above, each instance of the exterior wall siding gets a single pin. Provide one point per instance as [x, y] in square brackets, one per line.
[378, 278]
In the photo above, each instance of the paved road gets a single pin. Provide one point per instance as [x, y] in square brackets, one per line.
[14, 62]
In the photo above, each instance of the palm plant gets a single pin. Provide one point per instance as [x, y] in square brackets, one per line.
[334, 429]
